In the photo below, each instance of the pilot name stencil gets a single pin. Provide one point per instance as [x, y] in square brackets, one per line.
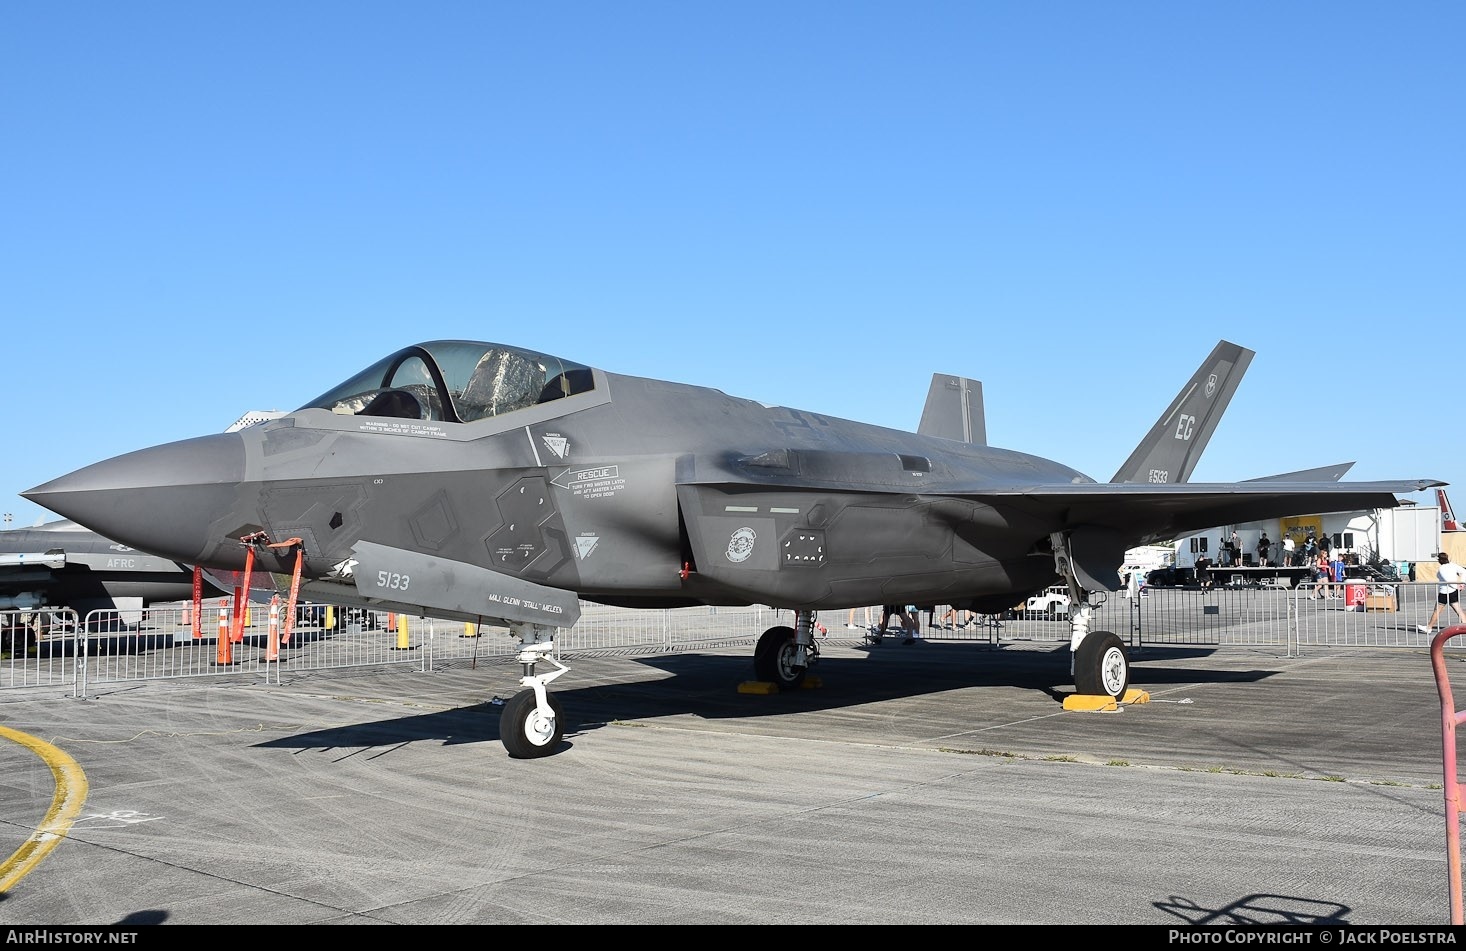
[512, 601]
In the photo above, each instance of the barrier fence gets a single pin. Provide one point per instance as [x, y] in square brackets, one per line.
[59, 649]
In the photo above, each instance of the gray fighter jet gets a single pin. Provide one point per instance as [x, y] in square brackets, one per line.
[481, 482]
[60, 564]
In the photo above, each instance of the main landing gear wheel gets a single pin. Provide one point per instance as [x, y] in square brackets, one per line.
[1101, 667]
[774, 656]
[525, 733]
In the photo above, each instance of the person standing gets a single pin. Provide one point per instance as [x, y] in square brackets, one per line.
[1289, 548]
[911, 619]
[888, 611]
[1452, 579]
[1321, 575]
[1264, 550]
[907, 614]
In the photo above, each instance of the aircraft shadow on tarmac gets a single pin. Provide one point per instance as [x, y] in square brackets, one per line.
[706, 686]
[1259, 909]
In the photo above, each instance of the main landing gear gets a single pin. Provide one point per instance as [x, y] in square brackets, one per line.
[532, 723]
[784, 655]
[1098, 660]
[1100, 666]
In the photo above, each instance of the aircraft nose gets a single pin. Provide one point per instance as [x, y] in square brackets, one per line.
[162, 500]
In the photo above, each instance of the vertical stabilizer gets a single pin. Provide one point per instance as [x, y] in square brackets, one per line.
[1169, 452]
[954, 410]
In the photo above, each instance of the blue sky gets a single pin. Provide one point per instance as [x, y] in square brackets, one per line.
[214, 208]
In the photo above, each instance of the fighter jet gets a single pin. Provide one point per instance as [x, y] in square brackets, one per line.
[491, 483]
[61, 564]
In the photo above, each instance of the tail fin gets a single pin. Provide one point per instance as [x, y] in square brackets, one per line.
[1171, 449]
[954, 410]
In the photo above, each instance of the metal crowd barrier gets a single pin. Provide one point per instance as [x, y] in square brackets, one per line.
[58, 649]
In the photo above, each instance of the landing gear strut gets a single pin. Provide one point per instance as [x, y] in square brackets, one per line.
[1097, 658]
[532, 723]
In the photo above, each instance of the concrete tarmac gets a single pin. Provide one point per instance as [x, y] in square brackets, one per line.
[937, 783]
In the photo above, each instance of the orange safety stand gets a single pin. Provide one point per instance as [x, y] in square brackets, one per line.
[241, 595]
[299, 547]
[198, 602]
[1450, 718]
[237, 624]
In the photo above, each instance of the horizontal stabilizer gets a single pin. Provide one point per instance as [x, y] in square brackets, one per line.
[954, 410]
[1321, 474]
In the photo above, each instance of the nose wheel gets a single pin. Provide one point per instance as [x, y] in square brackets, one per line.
[532, 723]
[527, 731]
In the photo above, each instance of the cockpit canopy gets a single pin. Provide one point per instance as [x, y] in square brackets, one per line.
[455, 381]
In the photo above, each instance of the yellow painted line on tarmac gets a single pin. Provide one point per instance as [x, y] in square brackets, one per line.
[70, 796]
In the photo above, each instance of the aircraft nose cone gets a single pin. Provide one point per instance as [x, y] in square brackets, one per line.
[162, 500]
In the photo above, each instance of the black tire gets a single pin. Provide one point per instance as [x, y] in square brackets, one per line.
[1101, 667]
[524, 733]
[773, 659]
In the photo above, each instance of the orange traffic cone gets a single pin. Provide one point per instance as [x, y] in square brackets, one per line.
[272, 642]
[223, 656]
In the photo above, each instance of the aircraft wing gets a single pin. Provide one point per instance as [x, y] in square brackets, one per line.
[873, 518]
[1165, 511]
